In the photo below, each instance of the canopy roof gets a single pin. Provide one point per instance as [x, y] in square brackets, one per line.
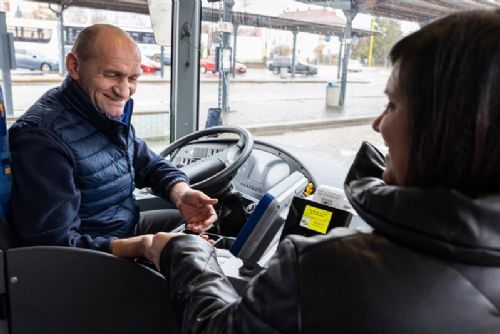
[413, 10]
[209, 14]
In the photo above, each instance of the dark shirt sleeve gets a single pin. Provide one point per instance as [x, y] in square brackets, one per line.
[206, 302]
[45, 201]
[151, 170]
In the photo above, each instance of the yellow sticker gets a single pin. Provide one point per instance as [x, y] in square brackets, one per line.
[316, 219]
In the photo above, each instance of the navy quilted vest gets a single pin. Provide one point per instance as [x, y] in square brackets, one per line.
[103, 151]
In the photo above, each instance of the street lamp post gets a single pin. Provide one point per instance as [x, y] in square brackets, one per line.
[372, 38]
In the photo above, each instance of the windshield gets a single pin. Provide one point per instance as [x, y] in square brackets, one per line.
[278, 101]
[293, 73]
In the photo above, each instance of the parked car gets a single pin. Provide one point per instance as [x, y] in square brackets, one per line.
[167, 59]
[285, 62]
[241, 68]
[149, 66]
[354, 66]
[35, 60]
[208, 65]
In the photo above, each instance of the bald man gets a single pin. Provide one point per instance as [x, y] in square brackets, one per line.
[76, 159]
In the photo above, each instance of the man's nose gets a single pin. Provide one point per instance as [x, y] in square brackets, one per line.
[122, 89]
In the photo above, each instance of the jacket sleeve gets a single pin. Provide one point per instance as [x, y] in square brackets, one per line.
[45, 201]
[151, 170]
[206, 302]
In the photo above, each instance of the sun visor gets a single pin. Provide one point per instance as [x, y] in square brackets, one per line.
[160, 12]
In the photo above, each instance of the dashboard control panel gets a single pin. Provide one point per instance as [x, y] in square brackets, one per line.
[264, 168]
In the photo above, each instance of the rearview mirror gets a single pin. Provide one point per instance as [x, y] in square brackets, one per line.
[160, 12]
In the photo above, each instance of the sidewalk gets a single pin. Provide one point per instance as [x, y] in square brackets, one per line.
[325, 74]
[207, 77]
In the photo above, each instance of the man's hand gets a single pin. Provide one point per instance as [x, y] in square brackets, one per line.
[195, 207]
[153, 251]
[133, 247]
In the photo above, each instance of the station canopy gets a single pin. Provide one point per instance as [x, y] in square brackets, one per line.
[211, 14]
[318, 21]
[412, 10]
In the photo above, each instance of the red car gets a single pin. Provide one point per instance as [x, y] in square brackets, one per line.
[208, 65]
[149, 66]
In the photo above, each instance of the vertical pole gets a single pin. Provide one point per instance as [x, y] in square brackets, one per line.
[175, 76]
[349, 14]
[370, 49]
[339, 62]
[266, 51]
[5, 54]
[184, 87]
[223, 80]
[294, 50]
[62, 60]
[220, 86]
[162, 62]
[235, 40]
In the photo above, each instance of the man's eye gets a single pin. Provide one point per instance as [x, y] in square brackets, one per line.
[110, 75]
[133, 79]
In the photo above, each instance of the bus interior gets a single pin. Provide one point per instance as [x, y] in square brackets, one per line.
[234, 157]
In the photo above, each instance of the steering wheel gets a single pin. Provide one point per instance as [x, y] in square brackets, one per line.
[214, 174]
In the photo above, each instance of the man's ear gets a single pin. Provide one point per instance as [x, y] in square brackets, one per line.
[72, 64]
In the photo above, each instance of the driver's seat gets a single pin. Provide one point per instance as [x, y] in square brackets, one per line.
[51, 290]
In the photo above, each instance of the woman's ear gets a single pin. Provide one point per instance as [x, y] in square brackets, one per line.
[72, 64]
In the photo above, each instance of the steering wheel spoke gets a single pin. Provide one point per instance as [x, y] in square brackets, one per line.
[214, 174]
[204, 168]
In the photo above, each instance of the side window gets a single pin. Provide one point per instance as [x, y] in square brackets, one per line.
[152, 99]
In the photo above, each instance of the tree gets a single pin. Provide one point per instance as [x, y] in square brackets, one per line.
[382, 44]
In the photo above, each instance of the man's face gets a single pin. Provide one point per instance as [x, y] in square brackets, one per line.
[109, 77]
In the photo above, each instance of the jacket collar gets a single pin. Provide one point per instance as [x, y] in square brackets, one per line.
[440, 221]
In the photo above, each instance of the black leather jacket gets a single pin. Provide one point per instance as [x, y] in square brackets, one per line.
[431, 266]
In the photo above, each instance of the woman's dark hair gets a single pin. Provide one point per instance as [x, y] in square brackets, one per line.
[450, 77]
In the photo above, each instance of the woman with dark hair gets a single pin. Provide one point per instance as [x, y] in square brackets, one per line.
[432, 264]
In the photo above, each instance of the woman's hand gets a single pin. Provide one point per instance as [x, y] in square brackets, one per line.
[153, 251]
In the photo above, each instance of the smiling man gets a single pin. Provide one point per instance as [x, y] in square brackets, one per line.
[76, 159]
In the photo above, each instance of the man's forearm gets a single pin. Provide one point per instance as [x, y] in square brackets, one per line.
[131, 247]
[177, 191]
